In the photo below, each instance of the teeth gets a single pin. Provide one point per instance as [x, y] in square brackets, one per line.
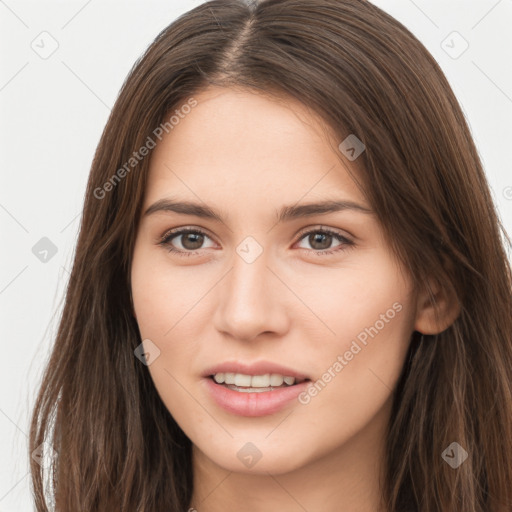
[219, 378]
[242, 380]
[261, 381]
[276, 380]
[254, 381]
[229, 378]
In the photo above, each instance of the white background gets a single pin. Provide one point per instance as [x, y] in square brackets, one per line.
[52, 113]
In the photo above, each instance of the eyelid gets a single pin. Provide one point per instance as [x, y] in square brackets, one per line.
[303, 231]
[322, 227]
[347, 241]
[179, 230]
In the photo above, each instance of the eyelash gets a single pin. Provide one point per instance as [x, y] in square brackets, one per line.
[170, 235]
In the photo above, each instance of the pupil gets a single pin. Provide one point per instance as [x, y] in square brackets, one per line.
[318, 237]
[196, 244]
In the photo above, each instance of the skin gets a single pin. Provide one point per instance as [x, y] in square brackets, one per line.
[246, 155]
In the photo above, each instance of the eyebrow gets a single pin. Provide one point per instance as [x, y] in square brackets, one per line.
[286, 213]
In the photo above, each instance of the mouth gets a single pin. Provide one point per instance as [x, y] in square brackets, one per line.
[254, 400]
[259, 389]
[246, 383]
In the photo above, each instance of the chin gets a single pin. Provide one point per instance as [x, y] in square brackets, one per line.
[259, 457]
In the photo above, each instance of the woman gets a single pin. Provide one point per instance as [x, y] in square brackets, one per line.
[290, 289]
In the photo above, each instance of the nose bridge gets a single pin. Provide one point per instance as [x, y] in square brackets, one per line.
[250, 275]
[248, 304]
[248, 291]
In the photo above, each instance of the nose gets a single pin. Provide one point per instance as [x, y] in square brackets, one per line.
[251, 301]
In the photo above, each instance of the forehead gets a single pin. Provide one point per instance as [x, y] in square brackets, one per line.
[237, 143]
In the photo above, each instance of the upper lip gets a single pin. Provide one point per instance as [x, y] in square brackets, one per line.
[256, 368]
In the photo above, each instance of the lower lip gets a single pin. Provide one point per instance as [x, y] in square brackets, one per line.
[253, 404]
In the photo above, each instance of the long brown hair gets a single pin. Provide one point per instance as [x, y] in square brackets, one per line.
[364, 73]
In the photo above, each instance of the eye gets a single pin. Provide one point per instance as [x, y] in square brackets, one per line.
[321, 239]
[191, 241]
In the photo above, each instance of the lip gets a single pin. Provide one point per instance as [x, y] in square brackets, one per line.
[257, 368]
[253, 404]
[256, 403]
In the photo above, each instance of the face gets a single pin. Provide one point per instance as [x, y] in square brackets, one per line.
[265, 287]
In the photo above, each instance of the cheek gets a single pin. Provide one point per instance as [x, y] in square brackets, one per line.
[357, 361]
[164, 298]
[163, 302]
[368, 303]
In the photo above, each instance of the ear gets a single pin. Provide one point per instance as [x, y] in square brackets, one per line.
[437, 308]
